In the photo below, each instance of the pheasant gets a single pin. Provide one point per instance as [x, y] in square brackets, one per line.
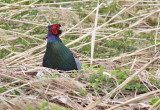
[57, 55]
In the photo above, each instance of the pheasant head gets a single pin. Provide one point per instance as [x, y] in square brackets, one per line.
[53, 32]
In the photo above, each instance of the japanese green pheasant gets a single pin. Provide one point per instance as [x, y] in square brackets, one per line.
[57, 55]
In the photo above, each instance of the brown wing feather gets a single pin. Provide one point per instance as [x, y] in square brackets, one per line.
[74, 54]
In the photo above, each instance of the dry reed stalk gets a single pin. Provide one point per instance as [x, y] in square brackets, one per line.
[133, 64]
[132, 54]
[136, 99]
[94, 35]
[4, 75]
[143, 5]
[26, 22]
[1, 3]
[31, 30]
[154, 106]
[29, 60]
[21, 102]
[26, 6]
[23, 54]
[149, 1]
[23, 1]
[34, 2]
[20, 34]
[63, 3]
[25, 84]
[27, 63]
[157, 32]
[147, 30]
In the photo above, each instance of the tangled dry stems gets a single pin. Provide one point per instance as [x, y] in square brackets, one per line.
[21, 68]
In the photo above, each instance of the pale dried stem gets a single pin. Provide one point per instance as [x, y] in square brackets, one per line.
[157, 33]
[154, 105]
[94, 35]
[27, 22]
[136, 99]
[20, 34]
[26, 6]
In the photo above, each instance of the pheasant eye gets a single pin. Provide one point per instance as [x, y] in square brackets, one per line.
[53, 27]
[59, 25]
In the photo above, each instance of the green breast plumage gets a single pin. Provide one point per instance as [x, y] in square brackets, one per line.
[58, 56]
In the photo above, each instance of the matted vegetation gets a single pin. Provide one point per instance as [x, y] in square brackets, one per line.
[121, 67]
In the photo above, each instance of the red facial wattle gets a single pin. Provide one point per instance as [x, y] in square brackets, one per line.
[56, 29]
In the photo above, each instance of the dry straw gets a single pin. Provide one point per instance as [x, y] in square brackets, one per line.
[24, 70]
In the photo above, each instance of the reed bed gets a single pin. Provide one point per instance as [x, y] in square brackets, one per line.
[108, 36]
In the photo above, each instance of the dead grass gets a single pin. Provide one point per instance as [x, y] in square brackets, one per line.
[22, 74]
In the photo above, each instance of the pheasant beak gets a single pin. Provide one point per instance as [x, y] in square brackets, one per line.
[60, 28]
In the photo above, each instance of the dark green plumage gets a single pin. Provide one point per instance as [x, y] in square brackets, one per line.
[58, 56]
